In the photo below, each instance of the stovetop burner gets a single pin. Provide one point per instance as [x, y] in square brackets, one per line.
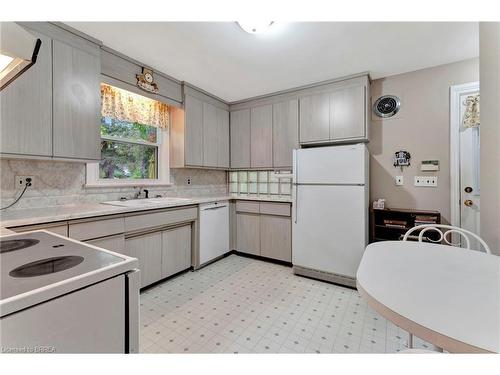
[34, 260]
[46, 266]
[12, 245]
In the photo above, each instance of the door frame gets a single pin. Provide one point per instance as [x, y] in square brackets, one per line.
[456, 91]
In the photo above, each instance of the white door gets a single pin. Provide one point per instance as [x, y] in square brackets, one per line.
[329, 228]
[469, 174]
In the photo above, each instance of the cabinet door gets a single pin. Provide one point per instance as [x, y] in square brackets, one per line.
[77, 102]
[113, 243]
[315, 118]
[193, 148]
[347, 113]
[276, 237]
[285, 132]
[26, 115]
[176, 250]
[248, 233]
[261, 137]
[222, 138]
[210, 141]
[240, 139]
[147, 249]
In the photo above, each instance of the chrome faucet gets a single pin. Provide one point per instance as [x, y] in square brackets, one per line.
[137, 194]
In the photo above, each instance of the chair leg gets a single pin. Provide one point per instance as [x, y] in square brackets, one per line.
[410, 340]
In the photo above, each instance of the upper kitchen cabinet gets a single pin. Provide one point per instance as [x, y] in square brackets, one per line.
[347, 113]
[285, 132]
[240, 138]
[210, 136]
[222, 138]
[193, 112]
[53, 109]
[315, 118]
[338, 112]
[26, 108]
[261, 137]
[199, 135]
[77, 104]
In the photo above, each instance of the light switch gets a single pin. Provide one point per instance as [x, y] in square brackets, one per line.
[426, 181]
[399, 180]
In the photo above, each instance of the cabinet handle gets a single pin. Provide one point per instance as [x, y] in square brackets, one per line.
[213, 208]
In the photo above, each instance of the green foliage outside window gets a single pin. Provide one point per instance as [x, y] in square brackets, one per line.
[130, 159]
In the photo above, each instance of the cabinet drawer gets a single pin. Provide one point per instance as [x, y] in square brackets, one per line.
[113, 243]
[61, 229]
[159, 219]
[95, 229]
[280, 209]
[244, 206]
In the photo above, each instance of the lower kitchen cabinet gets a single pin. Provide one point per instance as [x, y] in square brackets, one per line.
[176, 250]
[112, 243]
[147, 248]
[248, 233]
[264, 229]
[276, 237]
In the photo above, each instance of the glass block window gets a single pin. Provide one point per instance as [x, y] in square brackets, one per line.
[259, 183]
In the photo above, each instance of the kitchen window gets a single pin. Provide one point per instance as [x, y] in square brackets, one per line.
[134, 141]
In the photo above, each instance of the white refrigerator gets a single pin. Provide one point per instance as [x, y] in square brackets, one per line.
[330, 212]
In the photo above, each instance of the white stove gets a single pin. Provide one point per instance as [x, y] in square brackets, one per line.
[59, 293]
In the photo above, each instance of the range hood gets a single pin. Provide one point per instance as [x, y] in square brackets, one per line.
[18, 51]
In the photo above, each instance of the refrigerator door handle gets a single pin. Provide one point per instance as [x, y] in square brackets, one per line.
[296, 200]
[295, 180]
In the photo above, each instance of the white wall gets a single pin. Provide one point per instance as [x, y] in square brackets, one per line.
[489, 38]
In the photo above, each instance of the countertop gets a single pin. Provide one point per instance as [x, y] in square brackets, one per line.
[32, 216]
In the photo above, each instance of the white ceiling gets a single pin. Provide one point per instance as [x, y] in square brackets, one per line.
[224, 60]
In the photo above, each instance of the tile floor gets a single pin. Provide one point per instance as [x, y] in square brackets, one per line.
[243, 305]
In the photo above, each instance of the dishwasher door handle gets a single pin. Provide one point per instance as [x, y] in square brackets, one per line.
[213, 208]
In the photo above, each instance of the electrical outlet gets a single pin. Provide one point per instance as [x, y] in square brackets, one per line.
[189, 181]
[426, 181]
[399, 180]
[22, 180]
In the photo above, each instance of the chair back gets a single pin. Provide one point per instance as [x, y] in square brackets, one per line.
[445, 232]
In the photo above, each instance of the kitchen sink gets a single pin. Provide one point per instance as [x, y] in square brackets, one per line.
[145, 202]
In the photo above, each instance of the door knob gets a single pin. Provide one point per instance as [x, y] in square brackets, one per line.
[468, 202]
[468, 189]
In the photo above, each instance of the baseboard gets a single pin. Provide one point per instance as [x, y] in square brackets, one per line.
[325, 276]
[270, 260]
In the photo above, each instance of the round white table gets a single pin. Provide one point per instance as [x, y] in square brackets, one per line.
[446, 295]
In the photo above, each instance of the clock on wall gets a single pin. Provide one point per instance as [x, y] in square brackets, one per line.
[146, 82]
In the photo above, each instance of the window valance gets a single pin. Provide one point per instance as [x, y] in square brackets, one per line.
[471, 115]
[127, 106]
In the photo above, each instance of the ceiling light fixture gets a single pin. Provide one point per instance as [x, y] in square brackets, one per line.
[255, 27]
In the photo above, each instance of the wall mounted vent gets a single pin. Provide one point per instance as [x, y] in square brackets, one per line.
[386, 106]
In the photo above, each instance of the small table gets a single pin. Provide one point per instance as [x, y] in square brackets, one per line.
[446, 295]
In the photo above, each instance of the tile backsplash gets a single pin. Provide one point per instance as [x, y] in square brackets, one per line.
[62, 183]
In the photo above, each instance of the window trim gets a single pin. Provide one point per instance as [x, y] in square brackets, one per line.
[92, 169]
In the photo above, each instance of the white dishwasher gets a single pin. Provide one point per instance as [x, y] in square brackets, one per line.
[214, 230]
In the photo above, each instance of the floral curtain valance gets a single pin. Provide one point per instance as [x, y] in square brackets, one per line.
[127, 106]
[471, 115]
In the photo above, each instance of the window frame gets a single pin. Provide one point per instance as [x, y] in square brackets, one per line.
[163, 164]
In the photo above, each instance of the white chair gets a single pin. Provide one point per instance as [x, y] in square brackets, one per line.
[444, 231]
